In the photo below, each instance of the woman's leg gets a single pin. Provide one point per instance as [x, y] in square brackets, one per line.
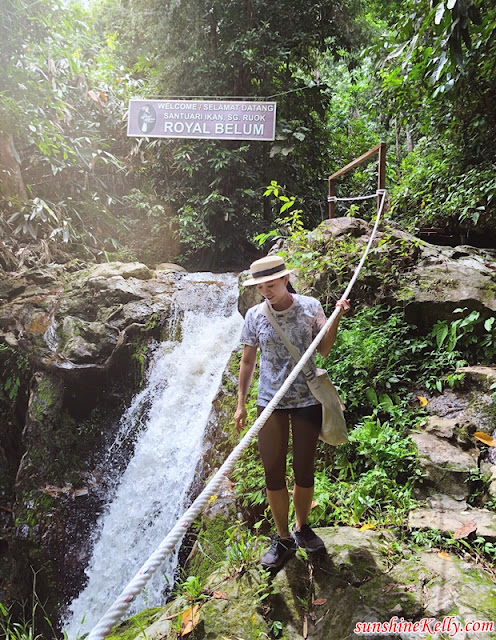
[306, 423]
[302, 499]
[273, 441]
[279, 506]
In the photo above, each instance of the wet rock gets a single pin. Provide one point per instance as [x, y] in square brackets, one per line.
[444, 502]
[248, 296]
[85, 342]
[77, 331]
[488, 470]
[170, 267]
[452, 520]
[445, 466]
[457, 415]
[328, 596]
[441, 427]
[80, 318]
[482, 377]
[337, 227]
[124, 270]
[445, 279]
[430, 281]
[448, 405]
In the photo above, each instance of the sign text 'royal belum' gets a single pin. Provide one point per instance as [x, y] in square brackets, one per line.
[215, 119]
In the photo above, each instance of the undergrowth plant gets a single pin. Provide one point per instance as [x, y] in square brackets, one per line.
[372, 477]
[325, 262]
[302, 249]
[379, 358]
[15, 368]
[482, 550]
[242, 548]
[469, 333]
[25, 625]
[14, 630]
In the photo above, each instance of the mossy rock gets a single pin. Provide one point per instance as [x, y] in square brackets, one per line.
[133, 627]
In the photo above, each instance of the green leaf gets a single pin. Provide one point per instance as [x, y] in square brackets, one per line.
[386, 402]
[488, 324]
[371, 396]
[441, 332]
[286, 205]
[470, 319]
[441, 63]
[452, 337]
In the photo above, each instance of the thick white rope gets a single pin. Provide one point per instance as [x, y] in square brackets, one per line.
[336, 199]
[136, 585]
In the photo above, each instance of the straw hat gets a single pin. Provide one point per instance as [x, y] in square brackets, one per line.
[265, 269]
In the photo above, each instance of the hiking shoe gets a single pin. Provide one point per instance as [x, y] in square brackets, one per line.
[280, 550]
[307, 539]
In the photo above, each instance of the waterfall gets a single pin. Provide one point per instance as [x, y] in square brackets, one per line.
[171, 414]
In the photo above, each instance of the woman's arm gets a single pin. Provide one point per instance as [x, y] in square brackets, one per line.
[329, 338]
[246, 369]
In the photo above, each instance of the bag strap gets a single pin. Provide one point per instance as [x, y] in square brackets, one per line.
[295, 354]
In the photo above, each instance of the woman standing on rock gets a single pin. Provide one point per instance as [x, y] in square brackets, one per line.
[301, 318]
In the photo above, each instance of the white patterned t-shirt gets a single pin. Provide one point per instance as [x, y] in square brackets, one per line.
[301, 323]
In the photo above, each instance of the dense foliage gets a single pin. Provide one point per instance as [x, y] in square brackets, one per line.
[418, 75]
[439, 82]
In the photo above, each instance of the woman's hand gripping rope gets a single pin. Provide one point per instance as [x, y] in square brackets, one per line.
[344, 304]
[324, 348]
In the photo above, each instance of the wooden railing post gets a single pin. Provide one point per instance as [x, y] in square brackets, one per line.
[332, 202]
[381, 180]
[381, 177]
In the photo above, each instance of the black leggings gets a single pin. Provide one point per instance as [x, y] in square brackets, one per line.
[273, 441]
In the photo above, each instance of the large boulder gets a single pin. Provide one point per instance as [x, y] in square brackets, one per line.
[444, 464]
[446, 278]
[351, 590]
[430, 281]
[78, 320]
[73, 341]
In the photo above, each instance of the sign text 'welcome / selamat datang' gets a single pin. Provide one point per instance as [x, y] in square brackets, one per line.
[214, 119]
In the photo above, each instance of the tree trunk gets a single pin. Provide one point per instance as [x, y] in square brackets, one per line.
[12, 184]
[397, 140]
[409, 141]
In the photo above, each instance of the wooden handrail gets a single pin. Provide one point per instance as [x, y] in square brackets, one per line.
[381, 180]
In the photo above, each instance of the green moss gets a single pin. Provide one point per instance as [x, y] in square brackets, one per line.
[490, 288]
[139, 353]
[171, 331]
[210, 548]
[47, 399]
[35, 508]
[152, 323]
[129, 629]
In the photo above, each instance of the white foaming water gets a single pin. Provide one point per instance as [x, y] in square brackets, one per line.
[173, 411]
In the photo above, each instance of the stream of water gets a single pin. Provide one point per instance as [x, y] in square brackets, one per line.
[172, 413]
